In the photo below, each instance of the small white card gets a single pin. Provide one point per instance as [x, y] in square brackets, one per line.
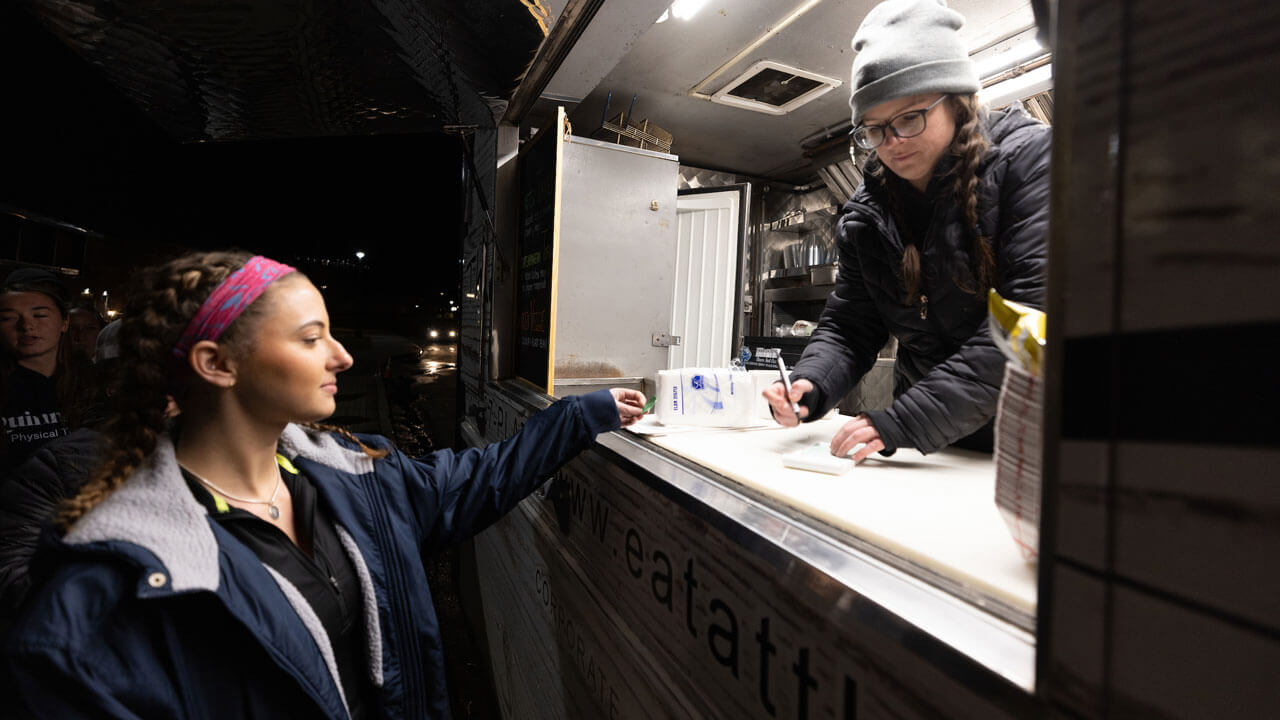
[818, 458]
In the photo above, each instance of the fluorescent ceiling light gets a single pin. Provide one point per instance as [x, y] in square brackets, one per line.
[686, 9]
[1017, 88]
[681, 10]
[998, 63]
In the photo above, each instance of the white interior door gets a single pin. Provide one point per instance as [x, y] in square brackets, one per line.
[706, 279]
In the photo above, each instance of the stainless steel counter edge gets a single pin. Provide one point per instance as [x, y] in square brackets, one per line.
[1004, 649]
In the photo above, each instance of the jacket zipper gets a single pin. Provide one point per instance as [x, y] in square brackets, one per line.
[411, 662]
[884, 232]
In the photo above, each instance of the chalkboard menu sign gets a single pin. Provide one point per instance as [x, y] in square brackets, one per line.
[536, 252]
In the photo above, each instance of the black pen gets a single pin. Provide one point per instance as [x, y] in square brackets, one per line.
[786, 383]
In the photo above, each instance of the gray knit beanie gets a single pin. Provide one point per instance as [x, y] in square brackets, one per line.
[909, 47]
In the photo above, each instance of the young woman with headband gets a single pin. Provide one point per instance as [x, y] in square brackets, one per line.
[241, 561]
[954, 200]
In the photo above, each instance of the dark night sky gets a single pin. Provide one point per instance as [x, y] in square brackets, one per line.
[76, 149]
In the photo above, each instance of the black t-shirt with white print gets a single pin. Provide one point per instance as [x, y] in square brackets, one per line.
[31, 415]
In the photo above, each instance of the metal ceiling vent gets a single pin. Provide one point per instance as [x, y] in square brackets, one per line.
[774, 88]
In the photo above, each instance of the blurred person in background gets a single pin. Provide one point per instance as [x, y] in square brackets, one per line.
[32, 492]
[44, 385]
[83, 325]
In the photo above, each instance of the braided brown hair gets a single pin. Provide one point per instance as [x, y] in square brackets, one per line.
[164, 300]
[967, 149]
[374, 453]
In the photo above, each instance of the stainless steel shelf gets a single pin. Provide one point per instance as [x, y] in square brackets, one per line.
[817, 274]
[804, 221]
[797, 294]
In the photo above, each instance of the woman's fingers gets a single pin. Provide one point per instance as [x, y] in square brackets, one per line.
[628, 396]
[799, 388]
[874, 446]
[851, 441]
[858, 431]
[782, 406]
[776, 395]
[630, 405]
[845, 432]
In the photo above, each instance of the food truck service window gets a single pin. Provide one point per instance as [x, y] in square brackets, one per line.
[929, 536]
[634, 269]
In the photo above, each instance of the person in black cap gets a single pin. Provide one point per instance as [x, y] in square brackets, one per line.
[42, 386]
[84, 325]
[32, 491]
[954, 201]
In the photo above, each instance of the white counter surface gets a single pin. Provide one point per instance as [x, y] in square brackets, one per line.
[937, 511]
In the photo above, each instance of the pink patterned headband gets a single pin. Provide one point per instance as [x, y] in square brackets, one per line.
[228, 300]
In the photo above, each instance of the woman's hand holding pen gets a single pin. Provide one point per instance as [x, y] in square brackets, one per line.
[630, 405]
[781, 404]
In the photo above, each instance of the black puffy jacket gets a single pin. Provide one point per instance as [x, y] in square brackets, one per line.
[29, 498]
[948, 371]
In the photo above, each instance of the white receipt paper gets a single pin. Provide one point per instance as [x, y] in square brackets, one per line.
[818, 458]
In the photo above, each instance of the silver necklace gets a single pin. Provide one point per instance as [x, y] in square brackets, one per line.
[272, 509]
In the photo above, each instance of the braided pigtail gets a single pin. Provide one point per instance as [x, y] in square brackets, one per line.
[910, 268]
[375, 453]
[911, 273]
[967, 148]
[163, 302]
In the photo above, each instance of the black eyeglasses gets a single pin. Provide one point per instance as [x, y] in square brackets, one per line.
[903, 125]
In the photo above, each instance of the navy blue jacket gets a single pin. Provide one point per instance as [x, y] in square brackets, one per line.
[153, 610]
[948, 371]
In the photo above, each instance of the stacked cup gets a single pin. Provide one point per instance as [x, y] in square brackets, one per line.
[1019, 435]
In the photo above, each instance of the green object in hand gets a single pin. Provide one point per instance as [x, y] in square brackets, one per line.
[649, 405]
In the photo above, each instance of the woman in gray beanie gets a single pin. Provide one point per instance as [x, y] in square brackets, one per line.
[954, 201]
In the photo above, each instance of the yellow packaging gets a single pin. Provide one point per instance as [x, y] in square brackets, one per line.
[1019, 332]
